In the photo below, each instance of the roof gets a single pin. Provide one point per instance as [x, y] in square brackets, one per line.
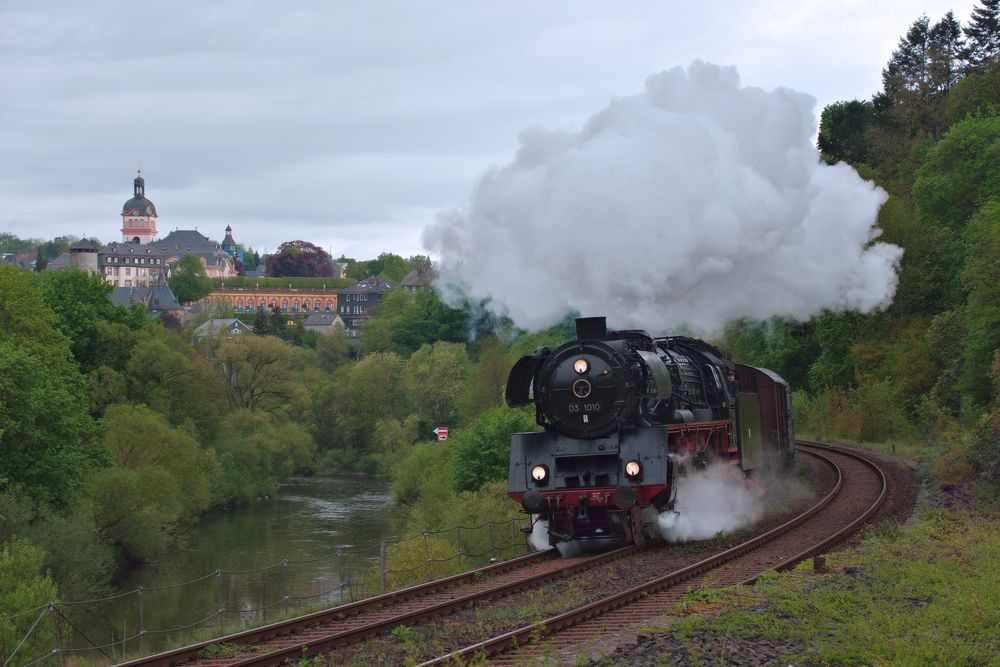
[421, 277]
[322, 320]
[229, 242]
[60, 262]
[370, 284]
[140, 204]
[185, 239]
[220, 324]
[154, 297]
[176, 244]
[83, 245]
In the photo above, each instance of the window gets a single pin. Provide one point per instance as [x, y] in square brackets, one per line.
[128, 272]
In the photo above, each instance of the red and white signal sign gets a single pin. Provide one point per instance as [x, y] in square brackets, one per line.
[442, 433]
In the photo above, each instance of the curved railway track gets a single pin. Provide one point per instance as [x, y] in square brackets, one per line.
[828, 521]
[860, 490]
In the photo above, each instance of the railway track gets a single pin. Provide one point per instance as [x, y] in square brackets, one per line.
[323, 631]
[329, 630]
[860, 490]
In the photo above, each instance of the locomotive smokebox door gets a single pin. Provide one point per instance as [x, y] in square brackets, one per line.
[748, 423]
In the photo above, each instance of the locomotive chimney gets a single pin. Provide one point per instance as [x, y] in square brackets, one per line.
[591, 327]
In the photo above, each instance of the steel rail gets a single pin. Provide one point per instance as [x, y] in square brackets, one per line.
[849, 528]
[525, 635]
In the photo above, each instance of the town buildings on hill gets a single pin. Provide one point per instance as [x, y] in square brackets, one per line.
[138, 267]
[141, 258]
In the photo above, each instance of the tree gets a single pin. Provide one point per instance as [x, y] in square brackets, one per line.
[299, 258]
[487, 379]
[921, 70]
[843, 131]
[52, 249]
[24, 584]
[189, 281]
[481, 449]
[85, 314]
[139, 438]
[427, 319]
[372, 389]
[961, 172]
[139, 510]
[392, 267]
[262, 323]
[261, 449]
[976, 94]
[981, 279]
[258, 376]
[944, 52]
[435, 377]
[982, 35]
[45, 430]
[333, 349]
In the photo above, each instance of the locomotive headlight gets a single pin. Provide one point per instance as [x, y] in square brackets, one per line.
[540, 473]
[632, 468]
[581, 366]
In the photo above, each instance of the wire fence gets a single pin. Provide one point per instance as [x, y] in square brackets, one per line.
[222, 601]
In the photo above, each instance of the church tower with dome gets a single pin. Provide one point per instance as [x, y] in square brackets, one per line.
[138, 215]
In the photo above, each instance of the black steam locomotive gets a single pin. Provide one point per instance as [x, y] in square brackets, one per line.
[623, 415]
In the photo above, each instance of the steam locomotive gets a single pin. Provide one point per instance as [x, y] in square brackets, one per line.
[624, 415]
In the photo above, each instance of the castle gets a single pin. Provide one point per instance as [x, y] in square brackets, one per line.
[141, 259]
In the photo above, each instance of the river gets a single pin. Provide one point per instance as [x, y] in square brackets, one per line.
[305, 524]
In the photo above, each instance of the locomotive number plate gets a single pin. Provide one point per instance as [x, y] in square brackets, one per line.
[584, 407]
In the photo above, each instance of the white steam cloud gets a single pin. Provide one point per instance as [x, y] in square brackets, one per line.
[716, 499]
[689, 205]
[539, 537]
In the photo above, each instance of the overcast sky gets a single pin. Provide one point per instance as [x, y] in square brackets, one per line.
[351, 125]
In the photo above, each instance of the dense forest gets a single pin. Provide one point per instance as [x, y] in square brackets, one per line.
[118, 433]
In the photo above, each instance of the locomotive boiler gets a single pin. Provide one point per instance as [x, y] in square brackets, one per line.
[624, 414]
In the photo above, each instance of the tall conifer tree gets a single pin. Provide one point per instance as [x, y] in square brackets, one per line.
[983, 35]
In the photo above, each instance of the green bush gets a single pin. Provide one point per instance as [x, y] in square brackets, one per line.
[482, 447]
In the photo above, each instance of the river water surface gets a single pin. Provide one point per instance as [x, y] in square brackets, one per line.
[327, 529]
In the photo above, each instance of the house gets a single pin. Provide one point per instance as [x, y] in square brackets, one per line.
[229, 326]
[418, 279]
[359, 302]
[158, 299]
[322, 322]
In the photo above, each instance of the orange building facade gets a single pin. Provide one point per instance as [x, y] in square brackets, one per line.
[287, 299]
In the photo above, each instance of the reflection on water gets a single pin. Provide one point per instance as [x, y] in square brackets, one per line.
[315, 541]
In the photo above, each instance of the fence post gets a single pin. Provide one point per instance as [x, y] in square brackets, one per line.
[340, 560]
[142, 625]
[263, 599]
[459, 548]
[219, 609]
[52, 631]
[493, 548]
[427, 557]
[383, 566]
[284, 583]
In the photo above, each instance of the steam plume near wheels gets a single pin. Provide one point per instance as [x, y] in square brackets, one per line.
[694, 203]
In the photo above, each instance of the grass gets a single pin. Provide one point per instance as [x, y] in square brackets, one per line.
[925, 595]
